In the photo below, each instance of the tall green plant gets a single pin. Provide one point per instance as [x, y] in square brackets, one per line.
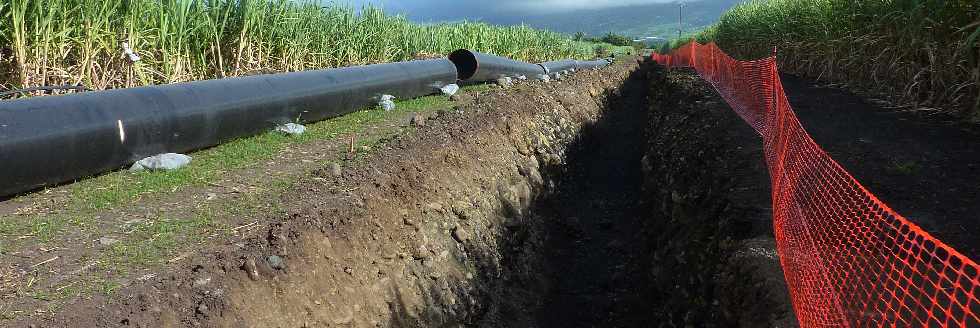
[83, 41]
[923, 52]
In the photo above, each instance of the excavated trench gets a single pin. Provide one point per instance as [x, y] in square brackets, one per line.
[625, 197]
[657, 217]
[594, 245]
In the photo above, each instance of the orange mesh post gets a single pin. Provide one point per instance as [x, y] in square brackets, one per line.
[849, 260]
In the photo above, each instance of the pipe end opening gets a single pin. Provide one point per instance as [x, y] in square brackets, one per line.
[466, 63]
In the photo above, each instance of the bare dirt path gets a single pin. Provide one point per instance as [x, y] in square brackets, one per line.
[925, 166]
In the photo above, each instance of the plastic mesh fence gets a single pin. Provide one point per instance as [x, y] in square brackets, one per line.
[849, 260]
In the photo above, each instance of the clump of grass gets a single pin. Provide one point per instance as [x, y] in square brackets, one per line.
[154, 242]
[57, 42]
[924, 52]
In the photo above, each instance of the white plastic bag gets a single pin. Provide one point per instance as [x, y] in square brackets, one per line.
[168, 161]
[450, 89]
[128, 52]
[291, 129]
[387, 102]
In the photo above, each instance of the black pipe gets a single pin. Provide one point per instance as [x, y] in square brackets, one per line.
[590, 64]
[479, 67]
[559, 65]
[55, 139]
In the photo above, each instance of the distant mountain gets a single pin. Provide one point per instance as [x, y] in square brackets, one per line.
[655, 20]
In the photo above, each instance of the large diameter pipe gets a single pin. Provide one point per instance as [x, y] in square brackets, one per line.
[598, 63]
[559, 65]
[479, 67]
[55, 139]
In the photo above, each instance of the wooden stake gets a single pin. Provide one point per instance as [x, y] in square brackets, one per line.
[353, 140]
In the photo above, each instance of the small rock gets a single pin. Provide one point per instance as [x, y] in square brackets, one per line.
[334, 169]
[435, 207]
[455, 97]
[365, 149]
[523, 193]
[421, 253]
[276, 262]
[435, 275]
[106, 241]
[677, 197]
[461, 209]
[346, 318]
[251, 269]
[349, 271]
[202, 308]
[417, 120]
[505, 82]
[594, 92]
[202, 281]
[461, 235]
[357, 202]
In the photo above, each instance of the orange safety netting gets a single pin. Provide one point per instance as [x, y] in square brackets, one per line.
[849, 260]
